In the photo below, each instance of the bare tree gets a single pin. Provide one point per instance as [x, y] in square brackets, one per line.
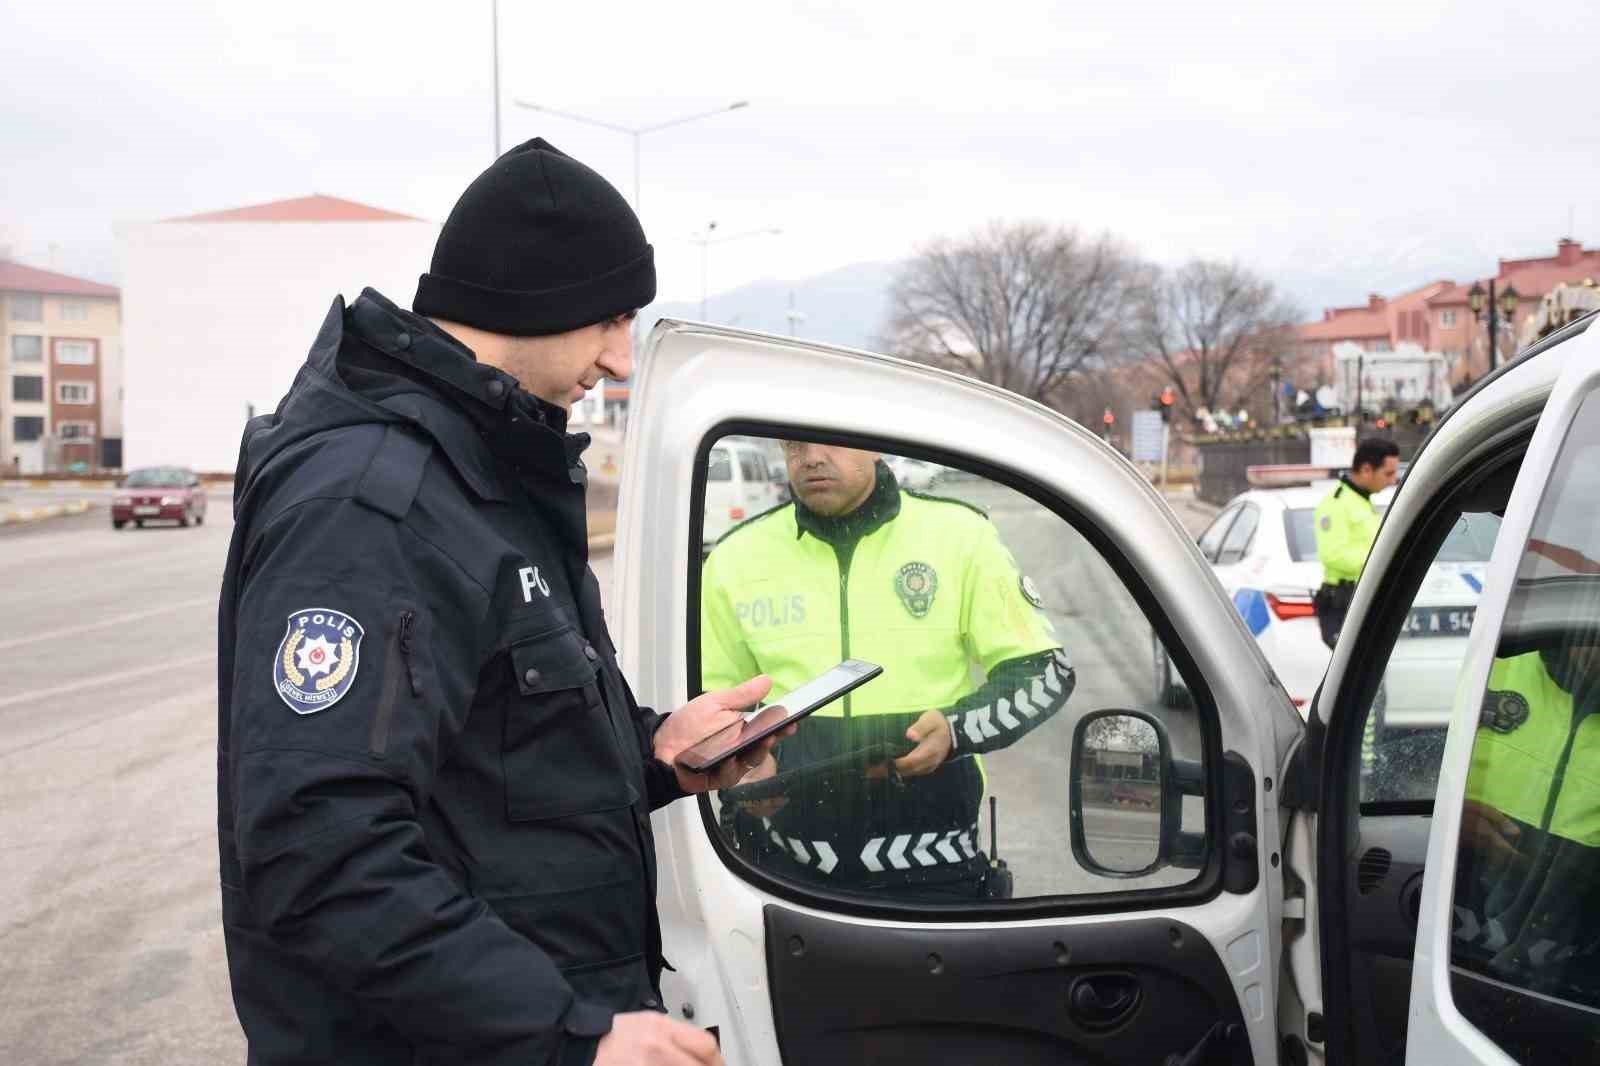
[1218, 332]
[1025, 305]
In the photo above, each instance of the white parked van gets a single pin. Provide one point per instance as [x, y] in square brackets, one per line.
[740, 482]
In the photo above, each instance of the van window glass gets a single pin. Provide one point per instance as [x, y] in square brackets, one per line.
[1527, 881]
[999, 626]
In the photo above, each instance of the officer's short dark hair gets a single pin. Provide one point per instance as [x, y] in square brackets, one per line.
[1373, 451]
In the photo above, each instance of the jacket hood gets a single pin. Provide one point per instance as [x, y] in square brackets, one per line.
[373, 363]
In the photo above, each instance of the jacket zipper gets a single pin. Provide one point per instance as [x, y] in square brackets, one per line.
[400, 658]
[844, 555]
[407, 648]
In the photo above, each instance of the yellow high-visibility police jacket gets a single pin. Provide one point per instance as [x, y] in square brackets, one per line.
[1530, 761]
[1346, 525]
[923, 587]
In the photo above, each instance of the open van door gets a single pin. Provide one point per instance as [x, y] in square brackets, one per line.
[1459, 844]
[1130, 898]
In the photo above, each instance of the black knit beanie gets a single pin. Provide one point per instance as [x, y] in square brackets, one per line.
[538, 244]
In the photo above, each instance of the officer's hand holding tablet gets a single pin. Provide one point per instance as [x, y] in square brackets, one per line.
[724, 756]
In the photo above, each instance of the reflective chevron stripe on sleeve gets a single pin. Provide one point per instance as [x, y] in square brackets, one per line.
[995, 724]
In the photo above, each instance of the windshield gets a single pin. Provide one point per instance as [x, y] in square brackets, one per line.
[157, 477]
[1470, 541]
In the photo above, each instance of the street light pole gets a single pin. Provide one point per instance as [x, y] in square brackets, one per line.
[795, 317]
[708, 240]
[494, 9]
[636, 132]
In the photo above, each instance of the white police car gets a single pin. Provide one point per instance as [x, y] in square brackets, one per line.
[1263, 548]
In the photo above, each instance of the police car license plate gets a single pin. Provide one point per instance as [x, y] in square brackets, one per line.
[1439, 621]
[147, 510]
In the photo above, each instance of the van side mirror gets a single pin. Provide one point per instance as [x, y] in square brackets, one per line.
[1126, 801]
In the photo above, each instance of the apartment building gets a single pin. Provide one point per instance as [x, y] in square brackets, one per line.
[61, 400]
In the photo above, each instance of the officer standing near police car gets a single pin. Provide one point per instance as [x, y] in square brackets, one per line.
[1346, 525]
[856, 566]
[434, 784]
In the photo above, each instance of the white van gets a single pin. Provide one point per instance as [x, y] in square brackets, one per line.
[740, 483]
[1303, 891]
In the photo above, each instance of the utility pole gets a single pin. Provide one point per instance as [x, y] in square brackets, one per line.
[1361, 372]
[494, 16]
[794, 317]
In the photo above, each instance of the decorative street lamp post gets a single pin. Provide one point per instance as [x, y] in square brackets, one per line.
[1506, 305]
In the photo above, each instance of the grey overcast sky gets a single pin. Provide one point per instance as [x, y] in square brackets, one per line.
[1335, 146]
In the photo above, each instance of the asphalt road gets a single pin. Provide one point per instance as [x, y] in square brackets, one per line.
[110, 942]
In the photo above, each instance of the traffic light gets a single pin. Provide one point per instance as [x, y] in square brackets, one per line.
[1163, 401]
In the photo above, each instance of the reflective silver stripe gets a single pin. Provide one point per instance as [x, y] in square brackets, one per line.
[929, 849]
[869, 855]
[897, 852]
[979, 727]
[1039, 695]
[826, 859]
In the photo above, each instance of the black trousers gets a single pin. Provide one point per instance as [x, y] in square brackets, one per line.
[1331, 604]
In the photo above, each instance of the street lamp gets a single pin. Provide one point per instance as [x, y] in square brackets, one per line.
[636, 132]
[794, 316]
[1506, 305]
[709, 237]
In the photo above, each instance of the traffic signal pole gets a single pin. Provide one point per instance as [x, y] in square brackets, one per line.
[1166, 445]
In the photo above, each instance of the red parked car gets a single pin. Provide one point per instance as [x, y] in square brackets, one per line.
[159, 493]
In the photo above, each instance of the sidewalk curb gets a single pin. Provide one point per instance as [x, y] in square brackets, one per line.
[56, 484]
[16, 515]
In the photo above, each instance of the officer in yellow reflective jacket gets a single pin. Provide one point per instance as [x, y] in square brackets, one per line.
[1346, 526]
[1529, 865]
[855, 566]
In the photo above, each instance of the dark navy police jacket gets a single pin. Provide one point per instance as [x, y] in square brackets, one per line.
[433, 783]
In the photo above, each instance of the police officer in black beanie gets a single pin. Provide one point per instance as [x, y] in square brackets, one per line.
[434, 784]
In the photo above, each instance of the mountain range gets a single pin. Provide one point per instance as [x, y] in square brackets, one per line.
[845, 306]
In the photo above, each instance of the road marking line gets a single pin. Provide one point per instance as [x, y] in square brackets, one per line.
[106, 679]
[135, 616]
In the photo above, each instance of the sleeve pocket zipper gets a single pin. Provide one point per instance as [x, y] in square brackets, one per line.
[402, 656]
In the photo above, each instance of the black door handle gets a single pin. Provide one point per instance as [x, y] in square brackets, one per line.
[1103, 1000]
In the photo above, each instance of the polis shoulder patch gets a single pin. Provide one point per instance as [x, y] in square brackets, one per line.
[1326, 523]
[317, 659]
[1504, 712]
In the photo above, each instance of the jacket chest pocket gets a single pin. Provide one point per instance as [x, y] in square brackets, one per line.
[560, 753]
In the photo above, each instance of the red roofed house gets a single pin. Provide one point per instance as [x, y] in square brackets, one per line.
[1438, 318]
[222, 307]
[61, 402]
[1460, 332]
